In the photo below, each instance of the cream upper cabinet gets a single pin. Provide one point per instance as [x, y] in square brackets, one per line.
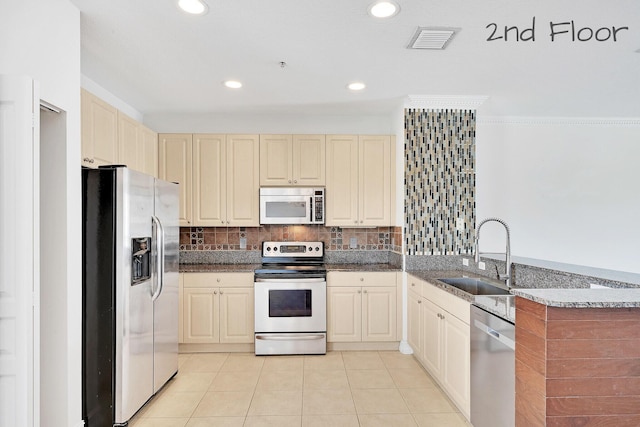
[148, 151]
[362, 306]
[218, 308]
[209, 180]
[292, 160]
[137, 145]
[219, 177]
[359, 184]
[99, 131]
[174, 165]
[243, 180]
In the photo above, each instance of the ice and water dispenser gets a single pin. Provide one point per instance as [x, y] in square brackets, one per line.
[140, 259]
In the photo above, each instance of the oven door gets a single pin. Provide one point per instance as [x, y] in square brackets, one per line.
[290, 305]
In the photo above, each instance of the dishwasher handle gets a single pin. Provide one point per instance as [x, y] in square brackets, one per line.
[495, 334]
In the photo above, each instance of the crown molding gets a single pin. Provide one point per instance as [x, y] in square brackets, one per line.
[554, 121]
[456, 102]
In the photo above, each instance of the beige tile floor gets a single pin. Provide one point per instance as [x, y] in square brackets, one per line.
[338, 389]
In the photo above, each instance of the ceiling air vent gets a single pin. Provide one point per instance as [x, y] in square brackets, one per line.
[431, 38]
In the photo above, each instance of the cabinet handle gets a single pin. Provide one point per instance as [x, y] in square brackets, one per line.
[221, 292]
[289, 181]
[359, 291]
[361, 221]
[365, 291]
[218, 280]
[413, 284]
[295, 181]
[215, 292]
[227, 222]
[355, 222]
[419, 302]
[362, 279]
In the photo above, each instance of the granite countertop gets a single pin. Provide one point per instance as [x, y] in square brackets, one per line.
[362, 267]
[500, 305]
[583, 298]
[218, 268]
[242, 268]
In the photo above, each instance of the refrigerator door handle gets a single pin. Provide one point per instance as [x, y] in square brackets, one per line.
[160, 252]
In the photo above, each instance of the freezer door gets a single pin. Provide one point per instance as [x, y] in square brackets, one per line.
[165, 309]
[134, 307]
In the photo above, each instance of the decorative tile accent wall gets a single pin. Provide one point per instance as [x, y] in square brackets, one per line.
[439, 181]
[335, 238]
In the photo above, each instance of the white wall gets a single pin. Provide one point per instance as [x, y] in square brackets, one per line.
[269, 123]
[41, 39]
[567, 187]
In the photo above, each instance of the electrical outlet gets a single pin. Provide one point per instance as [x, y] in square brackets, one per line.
[465, 262]
[482, 266]
[353, 242]
[243, 243]
[460, 224]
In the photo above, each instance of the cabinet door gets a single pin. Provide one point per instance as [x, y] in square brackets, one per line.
[209, 180]
[236, 315]
[342, 181]
[148, 151]
[414, 325]
[344, 314]
[374, 181]
[243, 180]
[379, 314]
[275, 160]
[174, 153]
[201, 315]
[309, 156]
[99, 131]
[432, 337]
[128, 142]
[456, 360]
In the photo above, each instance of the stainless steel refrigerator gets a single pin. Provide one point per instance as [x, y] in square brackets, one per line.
[130, 291]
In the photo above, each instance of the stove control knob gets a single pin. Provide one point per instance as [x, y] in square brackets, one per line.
[275, 249]
[310, 249]
[268, 248]
[317, 248]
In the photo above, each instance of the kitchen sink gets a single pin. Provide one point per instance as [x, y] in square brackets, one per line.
[474, 286]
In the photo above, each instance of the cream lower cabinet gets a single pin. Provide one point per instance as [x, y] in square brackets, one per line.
[362, 307]
[438, 332]
[217, 308]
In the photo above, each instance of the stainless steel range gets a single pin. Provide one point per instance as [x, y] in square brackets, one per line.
[291, 299]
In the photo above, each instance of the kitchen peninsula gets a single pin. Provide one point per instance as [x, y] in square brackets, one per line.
[577, 357]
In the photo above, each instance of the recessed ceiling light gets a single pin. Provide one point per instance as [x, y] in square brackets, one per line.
[194, 7]
[384, 9]
[233, 84]
[356, 86]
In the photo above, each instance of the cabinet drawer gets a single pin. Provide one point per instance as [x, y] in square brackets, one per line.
[414, 284]
[361, 278]
[451, 303]
[208, 280]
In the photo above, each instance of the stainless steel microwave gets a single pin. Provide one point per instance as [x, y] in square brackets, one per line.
[291, 205]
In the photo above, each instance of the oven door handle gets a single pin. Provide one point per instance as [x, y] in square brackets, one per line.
[290, 279]
[290, 337]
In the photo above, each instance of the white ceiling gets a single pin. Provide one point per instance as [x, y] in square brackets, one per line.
[161, 60]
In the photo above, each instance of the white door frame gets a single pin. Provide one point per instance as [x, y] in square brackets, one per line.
[19, 252]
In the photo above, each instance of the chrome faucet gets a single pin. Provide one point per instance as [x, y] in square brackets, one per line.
[507, 275]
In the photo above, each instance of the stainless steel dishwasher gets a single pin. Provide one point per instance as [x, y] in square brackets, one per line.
[493, 379]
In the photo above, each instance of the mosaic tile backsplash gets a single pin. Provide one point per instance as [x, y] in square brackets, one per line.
[439, 181]
[334, 238]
